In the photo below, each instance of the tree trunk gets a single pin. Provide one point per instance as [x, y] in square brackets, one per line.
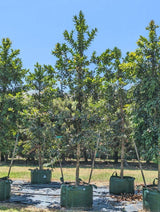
[115, 157]
[2, 156]
[78, 124]
[148, 161]
[40, 159]
[93, 162]
[85, 155]
[140, 165]
[77, 164]
[6, 158]
[63, 158]
[122, 159]
[92, 156]
[13, 154]
[122, 144]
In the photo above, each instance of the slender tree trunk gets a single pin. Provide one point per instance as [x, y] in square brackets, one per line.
[155, 115]
[92, 156]
[61, 171]
[6, 158]
[93, 162]
[85, 155]
[40, 159]
[140, 165]
[77, 164]
[13, 154]
[122, 159]
[63, 158]
[115, 157]
[122, 144]
[39, 126]
[0, 156]
[78, 124]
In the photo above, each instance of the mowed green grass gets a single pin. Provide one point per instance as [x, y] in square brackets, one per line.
[100, 175]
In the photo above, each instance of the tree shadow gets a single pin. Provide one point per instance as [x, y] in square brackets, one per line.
[106, 204]
[37, 195]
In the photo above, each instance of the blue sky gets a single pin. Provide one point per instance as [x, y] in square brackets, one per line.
[35, 26]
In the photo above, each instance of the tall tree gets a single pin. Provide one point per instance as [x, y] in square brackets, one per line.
[41, 84]
[11, 86]
[144, 69]
[73, 71]
[115, 97]
[121, 104]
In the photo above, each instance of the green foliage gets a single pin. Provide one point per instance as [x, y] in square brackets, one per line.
[146, 91]
[104, 94]
[12, 73]
[11, 87]
[114, 99]
[72, 63]
[76, 76]
[36, 114]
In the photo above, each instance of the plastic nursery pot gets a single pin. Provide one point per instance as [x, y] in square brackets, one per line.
[151, 198]
[74, 197]
[121, 186]
[40, 176]
[5, 189]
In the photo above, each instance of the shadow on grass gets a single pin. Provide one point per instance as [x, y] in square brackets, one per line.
[100, 164]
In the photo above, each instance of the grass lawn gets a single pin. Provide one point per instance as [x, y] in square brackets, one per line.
[100, 175]
[10, 207]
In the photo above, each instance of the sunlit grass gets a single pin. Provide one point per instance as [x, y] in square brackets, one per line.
[100, 175]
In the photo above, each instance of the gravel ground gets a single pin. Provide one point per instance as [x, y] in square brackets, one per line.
[48, 196]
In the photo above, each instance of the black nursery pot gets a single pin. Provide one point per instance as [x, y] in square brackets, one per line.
[76, 197]
[5, 189]
[151, 198]
[40, 176]
[121, 186]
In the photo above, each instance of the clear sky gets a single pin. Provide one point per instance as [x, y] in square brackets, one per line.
[35, 26]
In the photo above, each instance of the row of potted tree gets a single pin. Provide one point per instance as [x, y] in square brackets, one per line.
[83, 85]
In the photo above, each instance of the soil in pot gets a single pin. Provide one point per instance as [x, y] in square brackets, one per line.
[121, 186]
[73, 196]
[40, 176]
